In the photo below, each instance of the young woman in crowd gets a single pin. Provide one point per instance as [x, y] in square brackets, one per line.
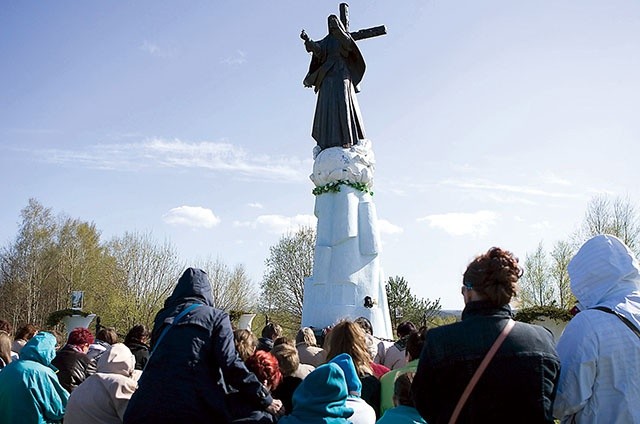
[136, 340]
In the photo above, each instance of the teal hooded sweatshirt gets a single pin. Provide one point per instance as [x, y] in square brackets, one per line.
[29, 389]
[320, 398]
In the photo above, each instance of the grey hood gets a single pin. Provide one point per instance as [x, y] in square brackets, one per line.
[605, 272]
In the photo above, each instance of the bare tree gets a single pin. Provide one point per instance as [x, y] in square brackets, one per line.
[535, 289]
[231, 288]
[148, 270]
[616, 216]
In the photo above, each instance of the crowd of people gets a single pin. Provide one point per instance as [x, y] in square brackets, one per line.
[483, 368]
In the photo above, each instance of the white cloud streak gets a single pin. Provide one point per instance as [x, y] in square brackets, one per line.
[386, 227]
[191, 216]
[505, 188]
[475, 224]
[161, 153]
[279, 224]
[155, 50]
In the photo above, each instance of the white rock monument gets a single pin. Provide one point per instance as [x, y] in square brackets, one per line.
[347, 280]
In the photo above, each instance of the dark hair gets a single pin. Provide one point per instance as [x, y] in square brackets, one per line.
[402, 389]
[271, 331]
[494, 275]
[405, 328]
[26, 332]
[80, 336]
[137, 334]
[265, 366]
[107, 334]
[365, 324]
[283, 340]
[415, 343]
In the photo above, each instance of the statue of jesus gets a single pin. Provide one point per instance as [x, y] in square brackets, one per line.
[337, 67]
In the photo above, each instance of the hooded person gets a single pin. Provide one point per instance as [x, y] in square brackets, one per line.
[363, 413]
[600, 347]
[193, 361]
[321, 398]
[29, 388]
[103, 397]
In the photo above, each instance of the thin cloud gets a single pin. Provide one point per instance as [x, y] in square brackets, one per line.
[490, 186]
[191, 216]
[279, 224]
[155, 50]
[386, 227]
[161, 153]
[476, 224]
[256, 205]
[239, 58]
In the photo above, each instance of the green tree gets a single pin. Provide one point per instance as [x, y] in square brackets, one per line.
[405, 306]
[290, 261]
[148, 272]
[559, 276]
[27, 264]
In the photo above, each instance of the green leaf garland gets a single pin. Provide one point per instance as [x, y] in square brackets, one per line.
[334, 187]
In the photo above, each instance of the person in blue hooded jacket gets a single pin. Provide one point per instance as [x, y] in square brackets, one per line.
[193, 363]
[363, 413]
[29, 388]
[321, 398]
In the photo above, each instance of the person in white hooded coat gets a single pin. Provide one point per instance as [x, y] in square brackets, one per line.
[599, 352]
[103, 397]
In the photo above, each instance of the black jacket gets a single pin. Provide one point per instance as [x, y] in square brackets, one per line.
[186, 377]
[141, 353]
[73, 367]
[519, 385]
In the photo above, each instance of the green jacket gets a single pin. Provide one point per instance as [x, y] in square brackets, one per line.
[387, 382]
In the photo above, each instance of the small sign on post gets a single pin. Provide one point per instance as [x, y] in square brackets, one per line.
[77, 300]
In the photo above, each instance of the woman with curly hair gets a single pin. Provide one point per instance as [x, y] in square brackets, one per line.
[348, 337]
[245, 343]
[519, 380]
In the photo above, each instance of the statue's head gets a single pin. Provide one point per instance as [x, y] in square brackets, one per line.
[334, 23]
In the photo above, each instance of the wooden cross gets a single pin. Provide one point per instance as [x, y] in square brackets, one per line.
[363, 33]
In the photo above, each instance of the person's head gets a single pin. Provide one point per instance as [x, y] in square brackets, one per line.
[41, 348]
[492, 276]
[5, 347]
[81, 338]
[117, 359]
[5, 326]
[349, 337]
[603, 267]
[137, 334]
[322, 396]
[272, 331]
[354, 385]
[283, 340]
[415, 343]
[265, 366]
[334, 23]
[287, 357]
[402, 389]
[405, 328]
[245, 343]
[25, 332]
[107, 335]
[365, 324]
[305, 335]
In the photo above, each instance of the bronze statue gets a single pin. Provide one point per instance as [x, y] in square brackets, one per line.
[336, 69]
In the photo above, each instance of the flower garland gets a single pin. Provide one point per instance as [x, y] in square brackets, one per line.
[334, 187]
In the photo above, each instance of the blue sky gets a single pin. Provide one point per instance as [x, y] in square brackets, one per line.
[493, 122]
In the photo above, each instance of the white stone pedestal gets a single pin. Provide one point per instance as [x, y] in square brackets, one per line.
[346, 267]
[75, 321]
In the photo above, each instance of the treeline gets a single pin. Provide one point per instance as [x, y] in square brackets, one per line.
[125, 279]
[545, 282]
